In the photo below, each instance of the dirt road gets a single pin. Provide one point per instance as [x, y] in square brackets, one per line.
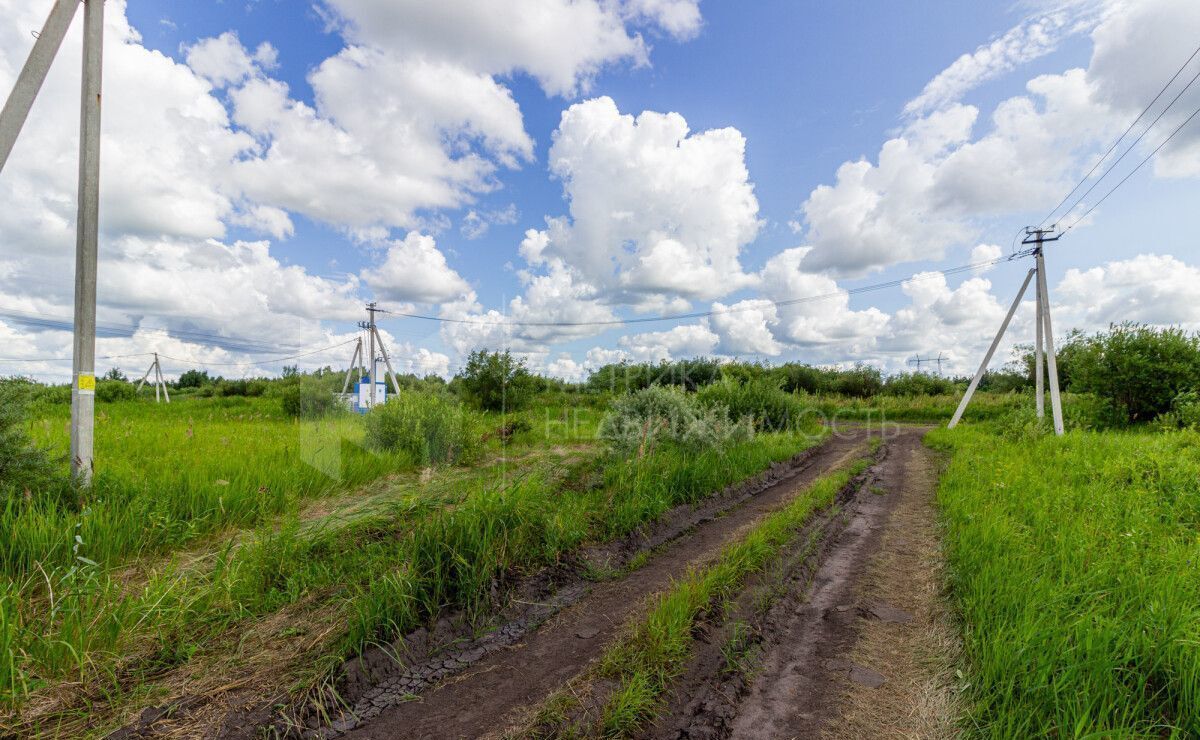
[496, 688]
[844, 635]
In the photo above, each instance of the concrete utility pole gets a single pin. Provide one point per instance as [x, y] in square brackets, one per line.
[1044, 342]
[375, 340]
[1051, 361]
[355, 358]
[12, 119]
[33, 74]
[962, 405]
[83, 390]
[160, 382]
[371, 345]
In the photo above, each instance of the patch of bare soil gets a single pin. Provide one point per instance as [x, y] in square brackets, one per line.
[472, 687]
[909, 636]
[727, 642]
[861, 648]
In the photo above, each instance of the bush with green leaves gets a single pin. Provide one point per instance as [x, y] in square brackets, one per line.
[1184, 413]
[23, 466]
[759, 400]
[250, 387]
[434, 428]
[1002, 381]
[194, 379]
[306, 398]
[861, 381]
[917, 384]
[1066, 350]
[1139, 370]
[624, 377]
[111, 391]
[495, 381]
[637, 422]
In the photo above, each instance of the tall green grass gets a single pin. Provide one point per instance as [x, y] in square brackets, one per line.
[983, 407]
[382, 573]
[1074, 565]
[167, 474]
[459, 551]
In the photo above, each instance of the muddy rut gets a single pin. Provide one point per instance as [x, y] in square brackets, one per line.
[854, 640]
[482, 696]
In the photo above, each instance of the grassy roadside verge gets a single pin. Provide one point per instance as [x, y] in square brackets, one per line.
[654, 650]
[1073, 566]
[363, 582]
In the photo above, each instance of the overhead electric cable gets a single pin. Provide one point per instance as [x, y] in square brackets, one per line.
[1132, 146]
[1132, 172]
[1121, 138]
[68, 359]
[260, 360]
[257, 361]
[759, 304]
[232, 343]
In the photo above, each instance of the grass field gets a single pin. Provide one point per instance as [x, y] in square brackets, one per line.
[224, 539]
[1075, 573]
[215, 521]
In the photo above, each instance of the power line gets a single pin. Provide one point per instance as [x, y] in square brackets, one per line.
[1121, 138]
[760, 304]
[231, 343]
[1132, 146]
[1133, 171]
[257, 361]
[260, 360]
[68, 359]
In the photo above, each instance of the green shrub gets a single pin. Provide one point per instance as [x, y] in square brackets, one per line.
[1003, 381]
[1066, 350]
[433, 428]
[194, 379]
[23, 466]
[917, 384]
[862, 381]
[624, 377]
[110, 391]
[798, 378]
[49, 395]
[758, 400]
[638, 421]
[1184, 413]
[304, 398]
[1139, 370]
[495, 381]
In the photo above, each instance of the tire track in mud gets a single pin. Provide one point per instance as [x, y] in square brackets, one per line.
[796, 669]
[483, 690]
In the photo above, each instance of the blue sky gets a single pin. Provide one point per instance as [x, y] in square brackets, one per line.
[806, 87]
